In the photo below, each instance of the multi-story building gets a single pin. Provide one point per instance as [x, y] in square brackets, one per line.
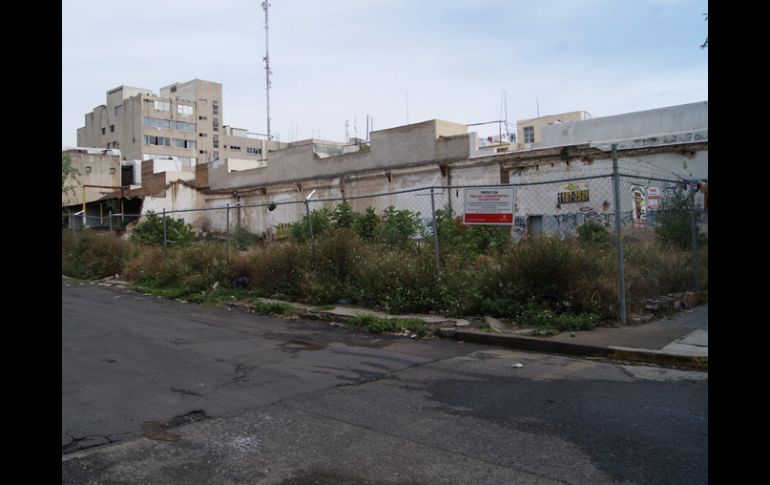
[183, 123]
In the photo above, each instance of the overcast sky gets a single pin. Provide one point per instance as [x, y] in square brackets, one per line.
[338, 60]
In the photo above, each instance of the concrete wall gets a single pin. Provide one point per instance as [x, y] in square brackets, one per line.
[643, 170]
[684, 118]
[428, 141]
[96, 167]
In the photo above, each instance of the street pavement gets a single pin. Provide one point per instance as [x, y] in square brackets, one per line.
[159, 391]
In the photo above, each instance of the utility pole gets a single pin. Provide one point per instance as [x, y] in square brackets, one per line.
[265, 6]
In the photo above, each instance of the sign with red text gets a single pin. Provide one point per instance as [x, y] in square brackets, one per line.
[489, 205]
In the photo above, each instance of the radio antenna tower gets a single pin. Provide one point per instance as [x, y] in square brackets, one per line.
[265, 6]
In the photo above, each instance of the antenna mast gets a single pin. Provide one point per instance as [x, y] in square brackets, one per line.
[265, 6]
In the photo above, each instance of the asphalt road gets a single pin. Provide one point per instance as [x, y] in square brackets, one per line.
[158, 391]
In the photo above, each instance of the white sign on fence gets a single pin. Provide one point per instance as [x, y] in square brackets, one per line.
[489, 205]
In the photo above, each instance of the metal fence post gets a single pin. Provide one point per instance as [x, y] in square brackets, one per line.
[435, 231]
[694, 240]
[72, 223]
[227, 228]
[310, 225]
[618, 236]
[165, 239]
[110, 216]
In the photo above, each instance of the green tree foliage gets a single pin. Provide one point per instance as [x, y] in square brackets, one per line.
[322, 219]
[150, 230]
[68, 172]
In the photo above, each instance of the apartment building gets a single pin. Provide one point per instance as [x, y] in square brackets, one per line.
[182, 123]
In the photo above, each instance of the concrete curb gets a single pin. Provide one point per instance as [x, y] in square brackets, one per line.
[552, 346]
[519, 342]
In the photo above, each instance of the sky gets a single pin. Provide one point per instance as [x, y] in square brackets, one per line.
[397, 61]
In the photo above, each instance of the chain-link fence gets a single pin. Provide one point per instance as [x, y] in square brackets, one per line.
[621, 206]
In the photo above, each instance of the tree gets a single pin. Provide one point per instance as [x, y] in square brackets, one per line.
[68, 172]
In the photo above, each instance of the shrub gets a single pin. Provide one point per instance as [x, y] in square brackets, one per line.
[150, 230]
[321, 220]
[593, 232]
[338, 253]
[397, 281]
[90, 255]
[674, 222]
[399, 226]
[278, 268]
[366, 225]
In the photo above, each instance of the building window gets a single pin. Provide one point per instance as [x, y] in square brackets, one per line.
[157, 122]
[104, 130]
[216, 155]
[215, 124]
[253, 151]
[203, 135]
[180, 143]
[216, 141]
[529, 134]
[203, 117]
[185, 110]
[162, 105]
[112, 128]
[235, 148]
[156, 140]
[215, 107]
[182, 126]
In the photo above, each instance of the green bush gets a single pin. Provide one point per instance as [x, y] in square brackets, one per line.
[366, 225]
[399, 226]
[150, 230]
[321, 220]
[674, 222]
[593, 232]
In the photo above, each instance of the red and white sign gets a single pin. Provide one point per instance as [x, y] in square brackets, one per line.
[653, 198]
[489, 205]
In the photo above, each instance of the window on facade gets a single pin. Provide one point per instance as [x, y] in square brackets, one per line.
[112, 128]
[182, 126]
[203, 135]
[104, 130]
[215, 124]
[235, 148]
[157, 122]
[181, 143]
[216, 155]
[203, 117]
[529, 134]
[185, 110]
[215, 107]
[162, 105]
[156, 140]
[216, 141]
[253, 151]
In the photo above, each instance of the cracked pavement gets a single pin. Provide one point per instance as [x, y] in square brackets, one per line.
[156, 391]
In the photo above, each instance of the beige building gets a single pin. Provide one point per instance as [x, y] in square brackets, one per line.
[182, 123]
[95, 167]
[528, 132]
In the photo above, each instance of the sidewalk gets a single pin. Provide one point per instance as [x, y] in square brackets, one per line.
[681, 341]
